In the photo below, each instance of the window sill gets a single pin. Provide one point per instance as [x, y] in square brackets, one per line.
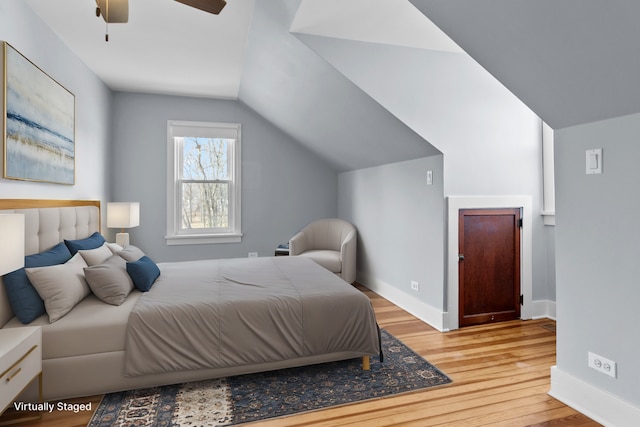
[203, 239]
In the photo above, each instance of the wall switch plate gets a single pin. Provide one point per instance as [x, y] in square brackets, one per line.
[594, 161]
[415, 285]
[253, 254]
[602, 365]
[429, 177]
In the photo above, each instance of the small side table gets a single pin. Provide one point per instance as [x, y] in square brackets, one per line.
[20, 364]
[282, 250]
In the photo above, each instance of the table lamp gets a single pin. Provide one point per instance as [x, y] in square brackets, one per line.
[123, 215]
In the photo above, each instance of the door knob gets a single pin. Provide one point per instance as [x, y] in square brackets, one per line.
[460, 257]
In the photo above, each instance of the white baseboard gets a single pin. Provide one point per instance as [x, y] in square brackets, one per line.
[409, 303]
[593, 402]
[543, 309]
[438, 319]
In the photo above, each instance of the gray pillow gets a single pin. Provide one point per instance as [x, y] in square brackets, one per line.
[109, 281]
[60, 286]
[115, 248]
[131, 253]
[96, 256]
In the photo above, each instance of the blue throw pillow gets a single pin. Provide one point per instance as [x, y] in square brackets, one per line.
[92, 242]
[143, 272]
[23, 297]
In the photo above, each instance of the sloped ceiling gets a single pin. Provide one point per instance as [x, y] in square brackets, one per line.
[570, 61]
[245, 53]
[440, 94]
[298, 91]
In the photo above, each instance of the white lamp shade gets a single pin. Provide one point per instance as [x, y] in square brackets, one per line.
[11, 242]
[123, 214]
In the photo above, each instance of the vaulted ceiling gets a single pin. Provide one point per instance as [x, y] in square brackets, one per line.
[368, 82]
[570, 61]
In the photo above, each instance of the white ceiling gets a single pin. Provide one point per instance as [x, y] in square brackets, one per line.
[394, 22]
[167, 47]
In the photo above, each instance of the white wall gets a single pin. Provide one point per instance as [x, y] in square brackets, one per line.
[24, 30]
[284, 186]
[597, 251]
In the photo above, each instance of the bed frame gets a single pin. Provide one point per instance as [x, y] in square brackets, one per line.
[47, 223]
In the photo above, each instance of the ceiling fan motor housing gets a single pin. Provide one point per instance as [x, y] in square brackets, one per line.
[113, 11]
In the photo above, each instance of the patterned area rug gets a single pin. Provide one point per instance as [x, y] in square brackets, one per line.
[246, 398]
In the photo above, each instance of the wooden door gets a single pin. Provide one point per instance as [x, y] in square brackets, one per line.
[489, 265]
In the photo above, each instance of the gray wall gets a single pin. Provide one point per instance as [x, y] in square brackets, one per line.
[597, 253]
[400, 225]
[284, 186]
[490, 141]
[24, 30]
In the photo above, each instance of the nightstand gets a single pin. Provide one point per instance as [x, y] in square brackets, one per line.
[20, 364]
[282, 250]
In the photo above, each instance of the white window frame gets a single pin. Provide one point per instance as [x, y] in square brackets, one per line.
[176, 236]
[548, 191]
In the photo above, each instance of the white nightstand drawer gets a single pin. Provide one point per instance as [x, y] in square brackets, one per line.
[20, 362]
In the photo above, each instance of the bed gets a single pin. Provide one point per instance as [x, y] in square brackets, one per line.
[199, 319]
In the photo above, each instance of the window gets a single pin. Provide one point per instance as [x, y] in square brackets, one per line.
[549, 196]
[203, 194]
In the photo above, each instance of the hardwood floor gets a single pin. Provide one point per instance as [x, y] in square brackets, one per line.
[500, 378]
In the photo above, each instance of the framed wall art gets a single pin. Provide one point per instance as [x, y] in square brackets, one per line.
[38, 116]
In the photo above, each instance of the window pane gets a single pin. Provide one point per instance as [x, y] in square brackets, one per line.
[205, 205]
[205, 158]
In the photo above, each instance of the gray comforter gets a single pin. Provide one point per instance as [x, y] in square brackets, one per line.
[235, 312]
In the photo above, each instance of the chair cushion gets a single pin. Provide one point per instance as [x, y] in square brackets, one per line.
[328, 259]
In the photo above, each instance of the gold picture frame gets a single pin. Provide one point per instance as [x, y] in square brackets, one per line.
[38, 123]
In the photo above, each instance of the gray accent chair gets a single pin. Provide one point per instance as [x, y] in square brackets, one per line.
[331, 243]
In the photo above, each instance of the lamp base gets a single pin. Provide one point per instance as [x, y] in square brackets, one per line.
[122, 239]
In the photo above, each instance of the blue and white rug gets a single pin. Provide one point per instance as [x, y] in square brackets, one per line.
[246, 398]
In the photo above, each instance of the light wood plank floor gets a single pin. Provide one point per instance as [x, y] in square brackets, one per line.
[500, 378]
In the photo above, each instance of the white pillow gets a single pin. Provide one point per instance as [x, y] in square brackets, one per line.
[96, 256]
[60, 286]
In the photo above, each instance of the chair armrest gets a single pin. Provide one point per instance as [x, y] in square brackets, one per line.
[348, 253]
[298, 244]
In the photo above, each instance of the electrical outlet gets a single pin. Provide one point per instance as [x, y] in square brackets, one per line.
[415, 285]
[253, 254]
[602, 364]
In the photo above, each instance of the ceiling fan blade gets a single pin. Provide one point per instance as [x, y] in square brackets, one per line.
[211, 6]
[114, 11]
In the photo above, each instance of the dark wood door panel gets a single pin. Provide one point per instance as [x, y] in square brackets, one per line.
[489, 269]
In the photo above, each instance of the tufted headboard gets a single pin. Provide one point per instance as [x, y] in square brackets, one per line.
[47, 223]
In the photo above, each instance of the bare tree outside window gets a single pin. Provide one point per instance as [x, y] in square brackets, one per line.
[205, 182]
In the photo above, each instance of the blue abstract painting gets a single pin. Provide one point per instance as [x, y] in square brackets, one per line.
[40, 124]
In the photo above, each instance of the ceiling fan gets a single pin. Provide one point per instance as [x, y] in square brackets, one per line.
[117, 11]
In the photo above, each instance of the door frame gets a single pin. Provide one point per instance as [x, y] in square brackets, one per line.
[454, 204]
